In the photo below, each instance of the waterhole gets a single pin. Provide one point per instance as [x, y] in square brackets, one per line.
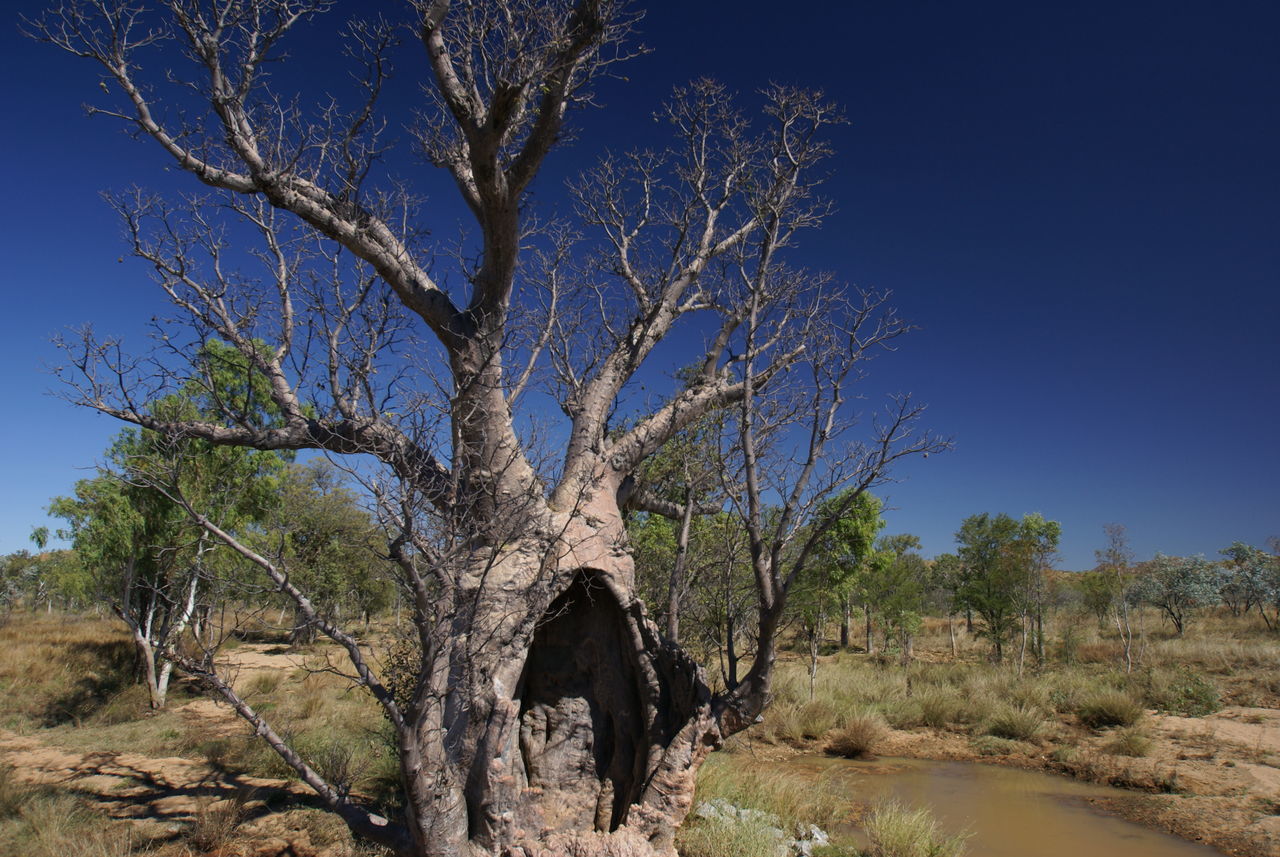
[1009, 812]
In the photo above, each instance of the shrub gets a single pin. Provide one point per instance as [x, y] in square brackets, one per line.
[1109, 708]
[896, 831]
[59, 825]
[1017, 723]
[129, 704]
[1182, 691]
[782, 722]
[858, 737]
[902, 713]
[264, 683]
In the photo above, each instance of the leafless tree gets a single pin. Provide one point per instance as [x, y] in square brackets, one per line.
[548, 715]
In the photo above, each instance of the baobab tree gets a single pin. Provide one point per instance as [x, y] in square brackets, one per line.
[547, 714]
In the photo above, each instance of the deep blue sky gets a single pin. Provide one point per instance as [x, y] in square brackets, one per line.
[1079, 204]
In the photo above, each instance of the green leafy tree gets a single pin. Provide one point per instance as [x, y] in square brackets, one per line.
[1000, 555]
[680, 483]
[331, 546]
[828, 583]
[841, 570]
[138, 542]
[1039, 543]
[904, 578]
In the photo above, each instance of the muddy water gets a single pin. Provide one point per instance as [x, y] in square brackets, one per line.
[1010, 812]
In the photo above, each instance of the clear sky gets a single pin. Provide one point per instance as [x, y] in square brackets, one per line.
[1078, 203]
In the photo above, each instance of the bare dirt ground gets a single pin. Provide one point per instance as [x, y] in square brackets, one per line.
[169, 796]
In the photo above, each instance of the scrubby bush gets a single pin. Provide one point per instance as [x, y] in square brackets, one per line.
[1182, 691]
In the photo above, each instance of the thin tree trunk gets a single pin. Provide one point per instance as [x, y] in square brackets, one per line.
[1022, 648]
[1039, 639]
[871, 639]
[676, 585]
[731, 654]
[814, 638]
[846, 617]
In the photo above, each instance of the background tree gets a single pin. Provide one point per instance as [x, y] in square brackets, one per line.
[949, 574]
[143, 551]
[1039, 541]
[1249, 579]
[328, 544]
[1178, 586]
[1000, 555]
[678, 484]
[904, 578]
[53, 578]
[547, 714]
[843, 556]
[1110, 590]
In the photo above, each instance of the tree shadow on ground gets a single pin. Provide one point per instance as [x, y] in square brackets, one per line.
[101, 670]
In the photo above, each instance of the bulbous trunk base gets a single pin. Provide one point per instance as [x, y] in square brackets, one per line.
[613, 724]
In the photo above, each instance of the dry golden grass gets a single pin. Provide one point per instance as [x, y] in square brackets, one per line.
[792, 796]
[56, 669]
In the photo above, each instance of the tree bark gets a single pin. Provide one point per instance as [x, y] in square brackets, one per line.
[580, 733]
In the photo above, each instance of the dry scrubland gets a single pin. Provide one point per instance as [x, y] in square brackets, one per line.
[1193, 734]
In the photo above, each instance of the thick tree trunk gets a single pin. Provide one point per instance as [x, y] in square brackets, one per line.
[303, 632]
[564, 724]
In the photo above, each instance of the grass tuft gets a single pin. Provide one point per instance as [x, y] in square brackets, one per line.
[1129, 741]
[1015, 723]
[722, 837]
[1109, 708]
[858, 737]
[896, 831]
